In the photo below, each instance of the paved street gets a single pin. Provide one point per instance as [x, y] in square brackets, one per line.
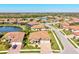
[68, 47]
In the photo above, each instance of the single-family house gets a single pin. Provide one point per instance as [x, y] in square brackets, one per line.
[64, 25]
[31, 23]
[74, 28]
[76, 35]
[35, 37]
[38, 27]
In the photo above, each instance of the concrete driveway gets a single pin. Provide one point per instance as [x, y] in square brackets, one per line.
[45, 46]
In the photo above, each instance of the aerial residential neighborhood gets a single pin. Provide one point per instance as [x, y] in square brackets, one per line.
[48, 33]
[39, 29]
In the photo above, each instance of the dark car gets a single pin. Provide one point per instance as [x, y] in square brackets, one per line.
[14, 46]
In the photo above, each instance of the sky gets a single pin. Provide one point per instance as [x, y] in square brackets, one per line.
[39, 7]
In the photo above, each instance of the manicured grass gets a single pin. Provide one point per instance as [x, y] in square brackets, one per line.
[54, 44]
[2, 47]
[59, 41]
[73, 43]
[67, 32]
[55, 51]
[30, 51]
[3, 52]
[30, 47]
[76, 41]
[22, 52]
[57, 25]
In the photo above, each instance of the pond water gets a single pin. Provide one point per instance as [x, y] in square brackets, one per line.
[9, 29]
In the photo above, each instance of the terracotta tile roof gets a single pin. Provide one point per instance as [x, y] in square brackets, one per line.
[40, 34]
[12, 19]
[74, 27]
[76, 33]
[3, 19]
[15, 36]
[65, 24]
[38, 26]
[75, 19]
[33, 23]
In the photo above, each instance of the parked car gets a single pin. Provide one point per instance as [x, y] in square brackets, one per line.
[14, 46]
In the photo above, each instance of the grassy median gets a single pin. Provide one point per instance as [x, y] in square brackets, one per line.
[54, 44]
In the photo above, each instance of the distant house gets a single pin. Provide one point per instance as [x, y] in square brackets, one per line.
[31, 23]
[30, 19]
[66, 19]
[55, 20]
[3, 20]
[35, 37]
[44, 18]
[64, 25]
[7, 20]
[74, 28]
[76, 35]
[22, 22]
[12, 20]
[49, 17]
[75, 20]
[38, 27]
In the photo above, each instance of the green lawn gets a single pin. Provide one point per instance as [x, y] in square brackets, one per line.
[76, 41]
[2, 47]
[67, 32]
[30, 51]
[3, 52]
[59, 41]
[57, 25]
[54, 44]
[22, 52]
[30, 47]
